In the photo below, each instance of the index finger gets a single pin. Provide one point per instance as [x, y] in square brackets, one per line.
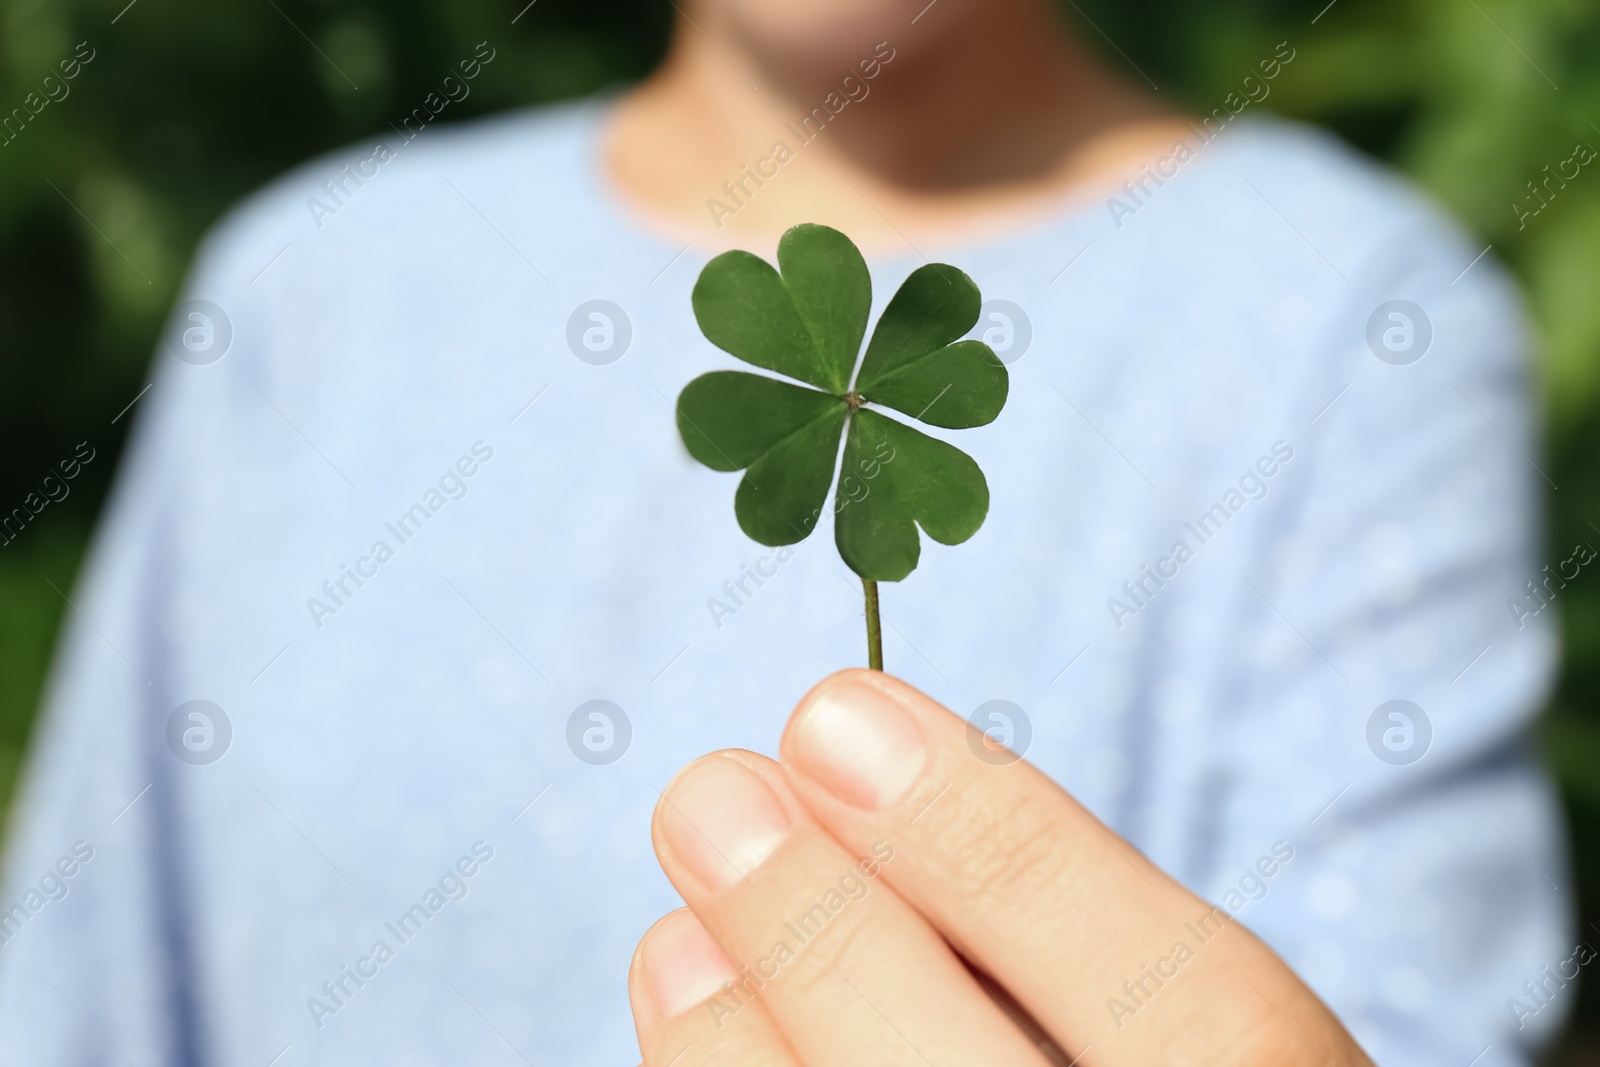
[1076, 923]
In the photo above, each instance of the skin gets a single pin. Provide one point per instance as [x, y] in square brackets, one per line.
[988, 118]
[905, 849]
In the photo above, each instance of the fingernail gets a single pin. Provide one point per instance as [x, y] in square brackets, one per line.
[722, 821]
[860, 745]
[682, 965]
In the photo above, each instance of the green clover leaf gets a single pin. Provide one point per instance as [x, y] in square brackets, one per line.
[805, 320]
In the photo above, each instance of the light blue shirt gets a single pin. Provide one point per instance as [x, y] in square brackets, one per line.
[401, 534]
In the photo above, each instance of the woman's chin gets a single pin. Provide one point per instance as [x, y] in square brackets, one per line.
[823, 33]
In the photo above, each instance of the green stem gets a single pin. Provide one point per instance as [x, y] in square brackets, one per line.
[874, 627]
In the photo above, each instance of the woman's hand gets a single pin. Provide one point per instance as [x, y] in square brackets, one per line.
[832, 899]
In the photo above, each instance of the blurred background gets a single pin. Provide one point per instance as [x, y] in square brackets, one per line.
[183, 107]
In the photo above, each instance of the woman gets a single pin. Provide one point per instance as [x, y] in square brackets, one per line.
[406, 513]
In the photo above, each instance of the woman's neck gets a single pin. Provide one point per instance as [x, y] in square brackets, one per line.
[968, 120]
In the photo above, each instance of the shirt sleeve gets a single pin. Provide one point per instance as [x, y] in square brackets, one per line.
[1427, 882]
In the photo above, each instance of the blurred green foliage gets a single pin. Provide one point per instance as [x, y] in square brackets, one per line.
[186, 107]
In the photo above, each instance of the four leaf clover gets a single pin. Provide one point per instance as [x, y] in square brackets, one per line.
[807, 323]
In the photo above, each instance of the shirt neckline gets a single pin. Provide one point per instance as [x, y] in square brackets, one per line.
[1058, 214]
